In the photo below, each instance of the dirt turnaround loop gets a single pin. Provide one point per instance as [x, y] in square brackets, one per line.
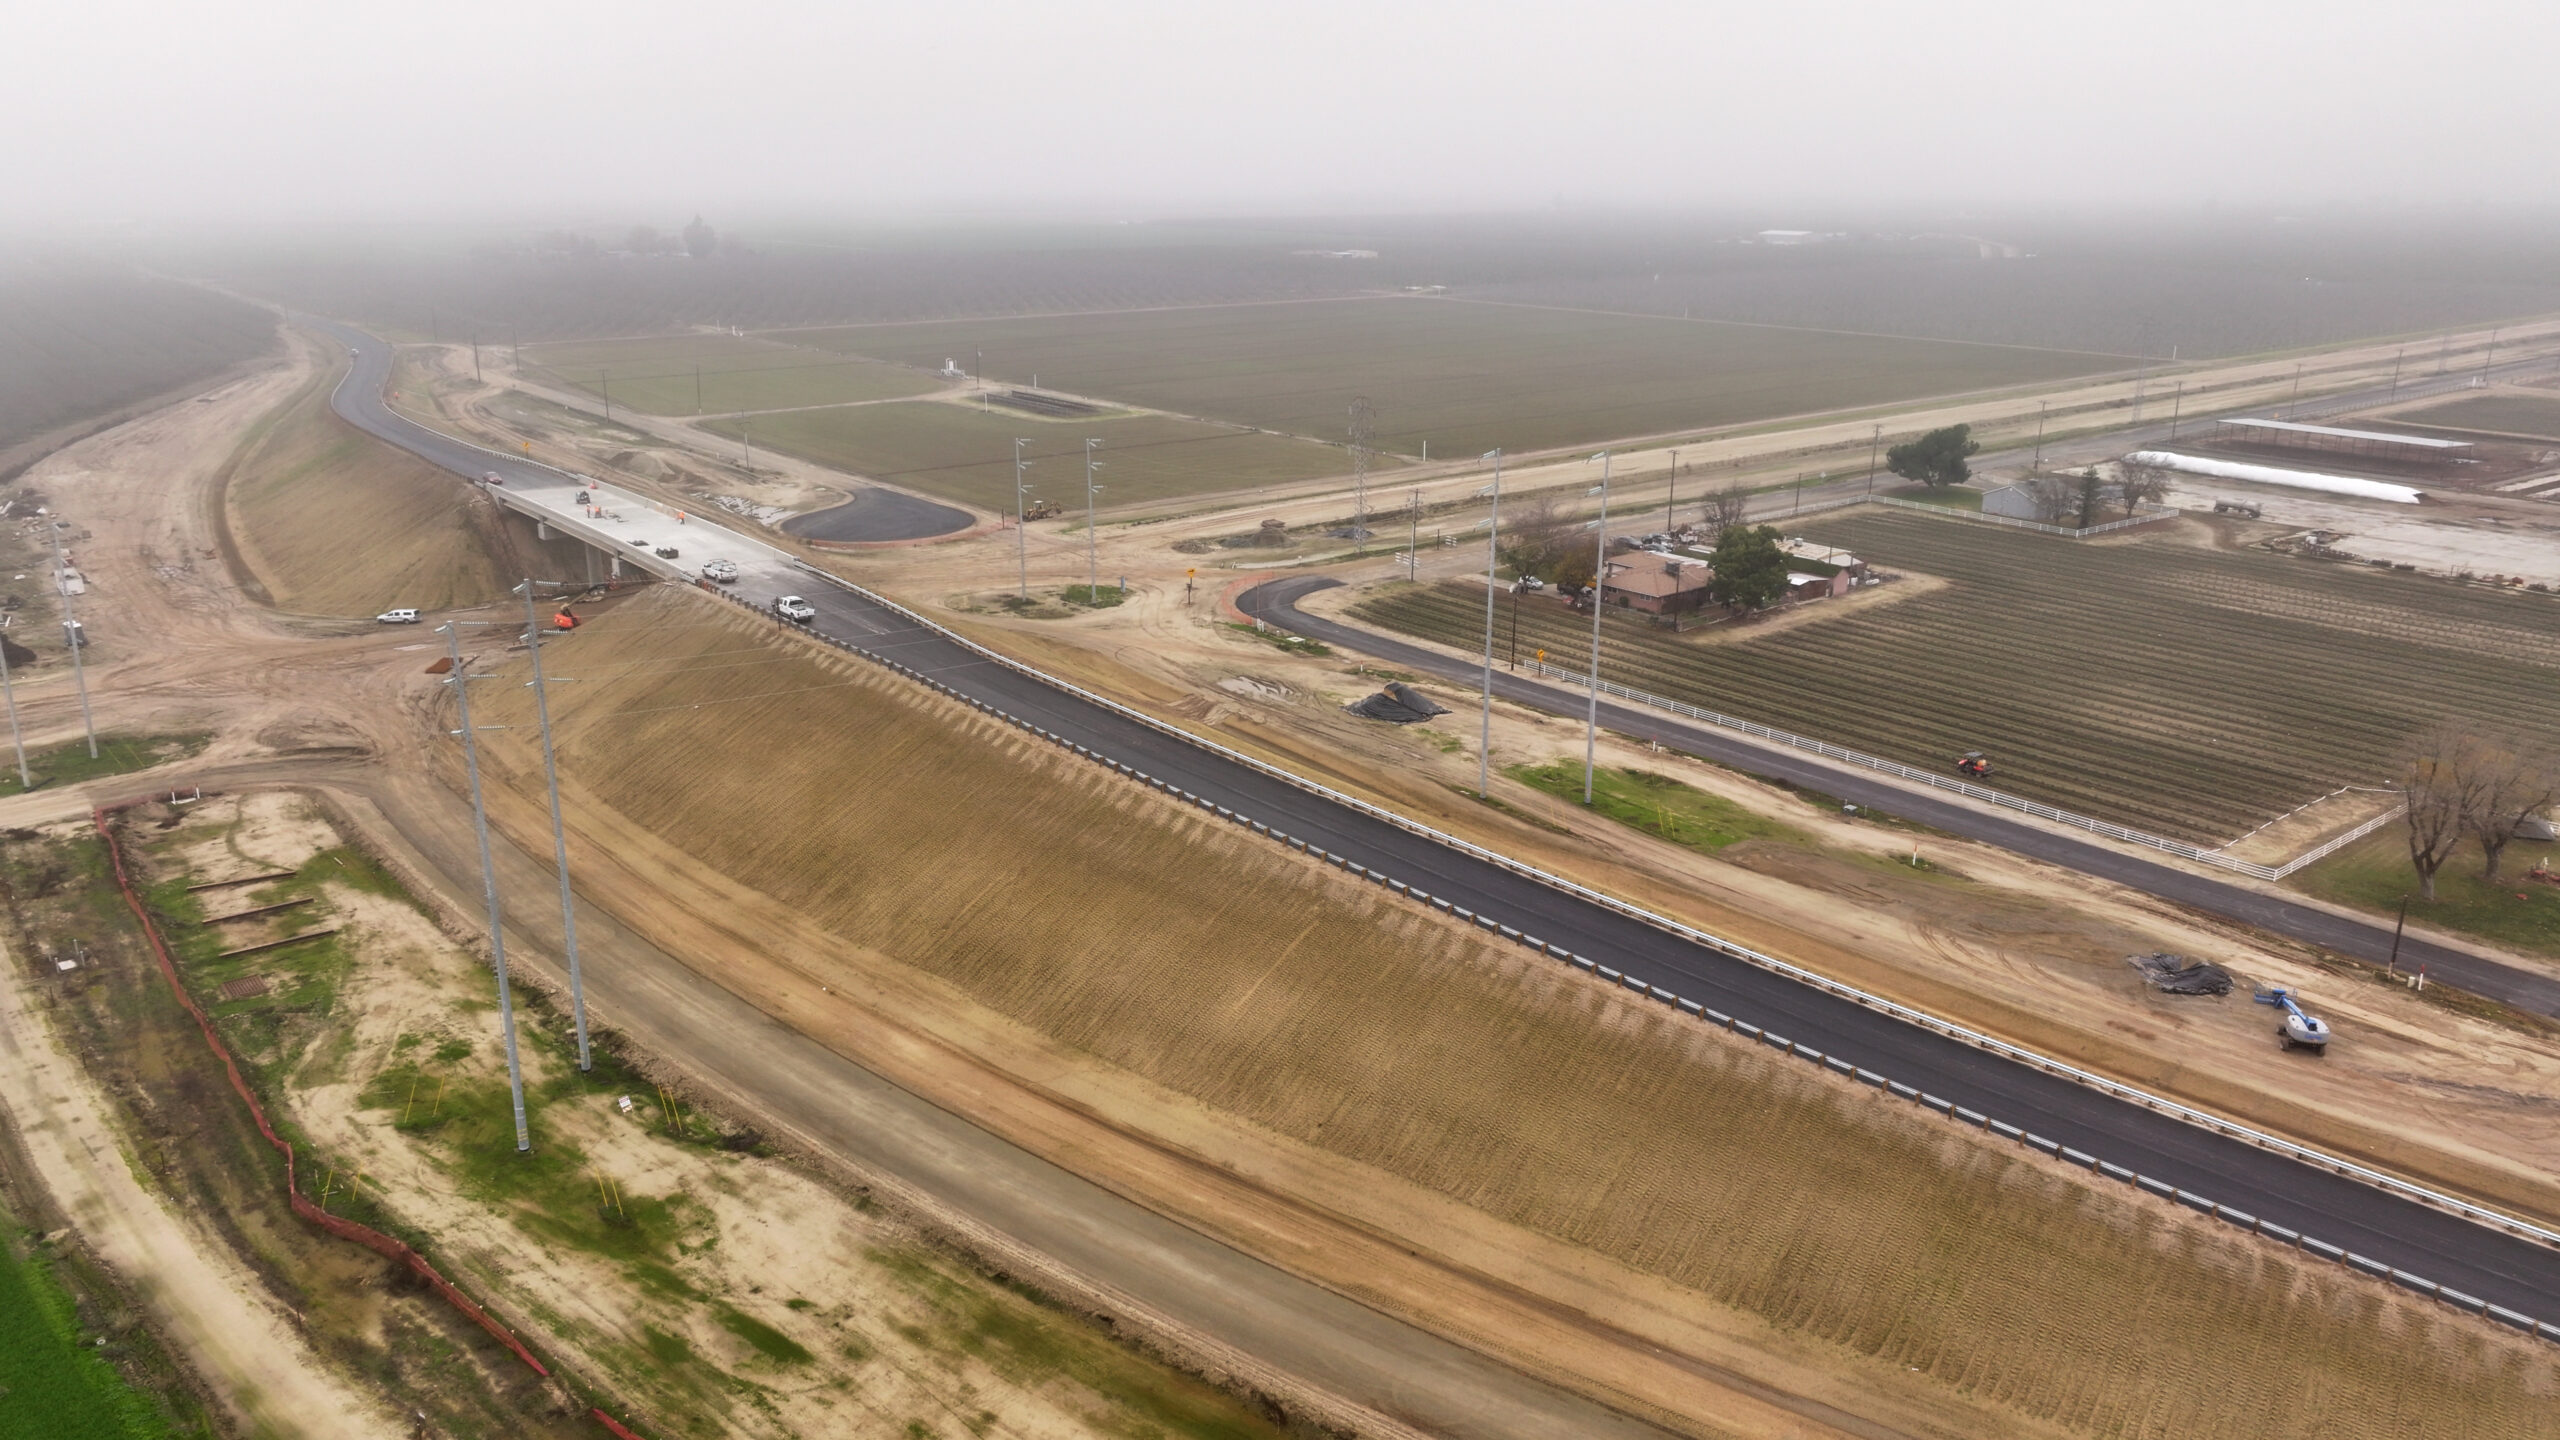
[875, 515]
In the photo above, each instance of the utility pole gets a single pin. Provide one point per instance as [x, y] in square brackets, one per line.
[460, 680]
[2392, 965]
[475, 359]
[1021, 524]
[1599, 572]
[746, 453]
[1413, 536]
[26, 782]
[2293, 407]
[604, 387]
[697, 388]
[2036, 465]
[1090, 572]
[1492, 540]
[2401, 354]
[2176, 404]
[2443, 351]
[559, 836]
[1671, 502]
[1875, 441]
[2486, 355]
[2141, 381]
[71, 632]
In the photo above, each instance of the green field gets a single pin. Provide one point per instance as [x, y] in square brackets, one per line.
[2508, 414]
[714, 374]
[53, 1385]
[80, 340]
[2182, 689]
[967, 455]
[1465, 377]
[2373, 873]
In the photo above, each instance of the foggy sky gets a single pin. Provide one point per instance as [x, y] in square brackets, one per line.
[284, 109]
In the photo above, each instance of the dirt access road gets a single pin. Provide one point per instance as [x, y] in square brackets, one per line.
[342, 706]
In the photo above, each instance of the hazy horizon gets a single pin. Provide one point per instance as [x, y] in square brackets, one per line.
[299, 112]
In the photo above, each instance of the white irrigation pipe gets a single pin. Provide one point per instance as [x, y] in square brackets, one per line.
[2390, 1184]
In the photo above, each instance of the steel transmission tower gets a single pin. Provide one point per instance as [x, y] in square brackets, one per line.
[1364, 423]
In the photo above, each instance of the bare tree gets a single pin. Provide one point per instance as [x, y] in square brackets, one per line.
[2442, 782]
[2056, 497]
[1725, 508]
[1537, 538]
[2516, 782]
[2141, 485]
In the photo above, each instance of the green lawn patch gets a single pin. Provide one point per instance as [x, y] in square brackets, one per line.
[117, 755]
[53, 1386]
[1657, 805]
[2373, 873]
[1280, 639]
[1954, 497]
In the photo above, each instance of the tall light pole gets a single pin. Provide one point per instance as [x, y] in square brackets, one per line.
[1599, 570]
[71, 632]
[1875, 441]
[2487, 355]
[1671, 502]
[1492, 539]
[2397, 357]
[559, 836]
[2293, 406]
[1021, 524]
[460, 680]
[2177, 402]
[1413, 536]
[1092, 582]
[2037, 464]
[26, 781]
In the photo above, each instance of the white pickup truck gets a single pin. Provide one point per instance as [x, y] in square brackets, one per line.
[795, 609]
[720, 572]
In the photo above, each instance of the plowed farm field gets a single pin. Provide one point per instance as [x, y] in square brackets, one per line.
[1272, 995]
[2177, 687]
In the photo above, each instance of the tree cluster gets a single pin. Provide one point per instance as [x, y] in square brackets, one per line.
[2463, 783]
[1935, 459]
[1750, 569]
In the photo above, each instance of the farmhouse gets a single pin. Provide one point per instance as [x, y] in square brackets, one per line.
[1655, 583]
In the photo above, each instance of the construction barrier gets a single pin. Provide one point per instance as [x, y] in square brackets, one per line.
[364, 1235]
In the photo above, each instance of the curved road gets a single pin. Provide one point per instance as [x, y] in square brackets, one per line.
[1276, 601]
[2497, 1267]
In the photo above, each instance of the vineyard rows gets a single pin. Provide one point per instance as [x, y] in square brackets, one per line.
[2122, 681]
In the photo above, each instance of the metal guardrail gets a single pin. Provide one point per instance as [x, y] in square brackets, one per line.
[1900, 771]
[2116, 1089]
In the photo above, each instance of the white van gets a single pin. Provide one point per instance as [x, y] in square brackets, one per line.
[397, 617]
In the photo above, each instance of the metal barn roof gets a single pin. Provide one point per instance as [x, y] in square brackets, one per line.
[2424, 442]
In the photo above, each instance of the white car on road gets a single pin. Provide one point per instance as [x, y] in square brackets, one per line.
[720, 572]
[795, 609]
[397, 617]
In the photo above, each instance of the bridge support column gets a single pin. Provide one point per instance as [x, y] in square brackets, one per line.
[616, 562]
[542, 530]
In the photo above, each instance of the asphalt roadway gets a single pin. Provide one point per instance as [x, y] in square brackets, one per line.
[2497, 1267]
[1276, 602]
[874, 514]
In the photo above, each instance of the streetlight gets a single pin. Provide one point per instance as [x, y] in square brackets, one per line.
[2037, 464]
[1092, 580]
[1021, 523]
[26, 781]
[559, 838]
[459, 679]
[1492, 538]
[1599, 568]
[71, 632]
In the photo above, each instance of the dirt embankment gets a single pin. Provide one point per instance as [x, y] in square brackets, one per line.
[318, 518]
[1208, 998]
